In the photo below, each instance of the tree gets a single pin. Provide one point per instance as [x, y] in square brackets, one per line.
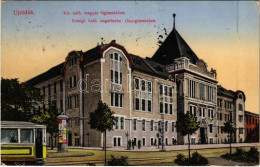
[229, 128]
[48, 117]
[18, 100]
[102, 120]
[187, 125]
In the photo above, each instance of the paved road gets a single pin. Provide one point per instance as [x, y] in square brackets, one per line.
[177, 147]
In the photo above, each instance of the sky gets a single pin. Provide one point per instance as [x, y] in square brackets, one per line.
[223, 34]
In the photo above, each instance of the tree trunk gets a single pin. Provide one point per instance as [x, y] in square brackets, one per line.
[189, 144]
[51, 141]
[105, 149]
[230, 144]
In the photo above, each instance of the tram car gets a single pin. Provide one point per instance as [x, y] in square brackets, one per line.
[23, 143]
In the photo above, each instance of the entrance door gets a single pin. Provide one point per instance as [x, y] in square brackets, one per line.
[38, 143]
[69, 139]
[202, 136]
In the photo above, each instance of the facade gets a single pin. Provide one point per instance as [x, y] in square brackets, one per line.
[251, 127]
[146, 95]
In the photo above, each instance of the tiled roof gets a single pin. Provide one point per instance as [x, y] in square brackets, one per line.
[54, 71]
[252, 114]
[149, 66]
[223, 91]
[174, 46]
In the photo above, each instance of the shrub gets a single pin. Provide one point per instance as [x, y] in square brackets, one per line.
[253, 155]
[195, 160]
[243, 156]
[122, 161]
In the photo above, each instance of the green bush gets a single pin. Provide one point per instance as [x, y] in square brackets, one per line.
[243, 156]
[122, 161]
[253, 155]
[195, 160]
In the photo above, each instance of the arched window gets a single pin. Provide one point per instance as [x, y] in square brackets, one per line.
[116, 70]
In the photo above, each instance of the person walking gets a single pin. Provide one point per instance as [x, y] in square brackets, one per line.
[139, 144]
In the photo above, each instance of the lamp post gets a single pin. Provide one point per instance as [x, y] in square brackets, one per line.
[88, 138]
[62, 144]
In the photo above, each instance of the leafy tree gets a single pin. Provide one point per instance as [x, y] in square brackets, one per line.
[229, 128]
[48, 117]
[18, 100]
[102, 120]
[187, 125]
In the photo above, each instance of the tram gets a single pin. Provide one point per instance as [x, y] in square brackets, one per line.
[23, 143]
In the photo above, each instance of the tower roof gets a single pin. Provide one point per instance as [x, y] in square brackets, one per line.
[174, 46]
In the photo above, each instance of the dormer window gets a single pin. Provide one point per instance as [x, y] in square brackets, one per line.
[116, 70]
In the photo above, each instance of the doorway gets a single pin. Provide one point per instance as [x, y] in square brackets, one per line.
[202, 136]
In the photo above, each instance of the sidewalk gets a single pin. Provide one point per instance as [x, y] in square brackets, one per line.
[173, 148]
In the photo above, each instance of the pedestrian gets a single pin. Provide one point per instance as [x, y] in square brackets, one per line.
[133, 144]
[129, 144]
[139, 144]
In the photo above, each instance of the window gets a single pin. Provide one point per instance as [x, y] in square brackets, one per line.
[143, 97]
[143, 141]
[161, 107]
[193, 110]
[220, 116]
[134, 122]
[143, 125]
[219, 103]
[228, 105]
[151, 125]
[202, 92]
[170, 108]
[116, 99]
[173, 125]
[70, 82]
[240, 107]
[136, 104]
[69, 103]
[143, 104]
[240, 118]
[192, 88]
[211, 113]
[76, 103]
[166, 141]
[74, 81]
[210, 93]
[117, 141]
[202, 111]
[151, 141]
[161, 89]
[166, 126]
[159, 126]
[173, 141]
[165, 99]
[193, 140]
[149, 106]
[116, 70]
[54, 88]
[122, 122]
[136, 83]
[116, 122]
[210, 140]
[240, 130]
[9, 135]
[210, 128]
[240, 97]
